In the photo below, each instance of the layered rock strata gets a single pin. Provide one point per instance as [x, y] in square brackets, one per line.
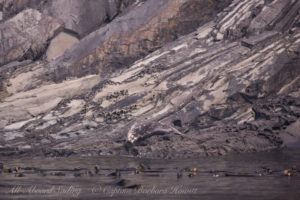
[171, 79]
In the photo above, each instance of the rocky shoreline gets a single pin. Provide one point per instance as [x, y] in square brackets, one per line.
[167, 79]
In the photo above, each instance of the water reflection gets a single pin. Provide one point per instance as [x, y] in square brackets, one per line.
[254, 176]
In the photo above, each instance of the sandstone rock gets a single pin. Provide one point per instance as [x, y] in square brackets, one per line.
[25, 36]
[59, 45]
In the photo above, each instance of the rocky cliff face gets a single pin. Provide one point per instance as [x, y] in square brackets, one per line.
[173, 78]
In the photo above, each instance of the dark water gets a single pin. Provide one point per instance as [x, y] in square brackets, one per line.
[161, 182]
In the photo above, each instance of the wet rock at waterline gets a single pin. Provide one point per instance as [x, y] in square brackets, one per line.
[169, 79]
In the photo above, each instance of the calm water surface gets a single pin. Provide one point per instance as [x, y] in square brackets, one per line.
[159, 182]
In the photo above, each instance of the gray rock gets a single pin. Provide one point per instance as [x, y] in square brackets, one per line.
[163, 80]
[134, 35]
[25, 36]
[11, 8]
[82, 16]
[270, 15]
[258, 39]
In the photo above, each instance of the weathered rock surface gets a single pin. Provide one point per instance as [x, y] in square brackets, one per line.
[31, 24]
[134, 35]
[11, 8]
[25, 36]
[81, 17]
[59, 45]
[209, 82]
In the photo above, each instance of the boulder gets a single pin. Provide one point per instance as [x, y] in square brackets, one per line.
[11, 8]
[82, 17]
[25, 36]
[59, 45]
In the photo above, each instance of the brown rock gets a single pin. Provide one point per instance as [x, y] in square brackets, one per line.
[59, 45]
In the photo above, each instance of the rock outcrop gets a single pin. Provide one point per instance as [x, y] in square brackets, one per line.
[134, 35]
[174, 78]
[25, 36]
[59, 45]
[10, 8]
[81, 17]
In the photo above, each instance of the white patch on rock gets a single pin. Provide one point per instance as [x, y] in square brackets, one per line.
[180, 47]
[131, 133]
[180, 98]
[12, 135]
[90, 124]
[49, 116]
[46, 124]
[142, 110]
[205, 30]
[45, 141]
[220, 36]
[75, 106]
[25, 147]
[24, 80]
[198, 50]
[149, 59]
[164, 110]
[17, 125]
